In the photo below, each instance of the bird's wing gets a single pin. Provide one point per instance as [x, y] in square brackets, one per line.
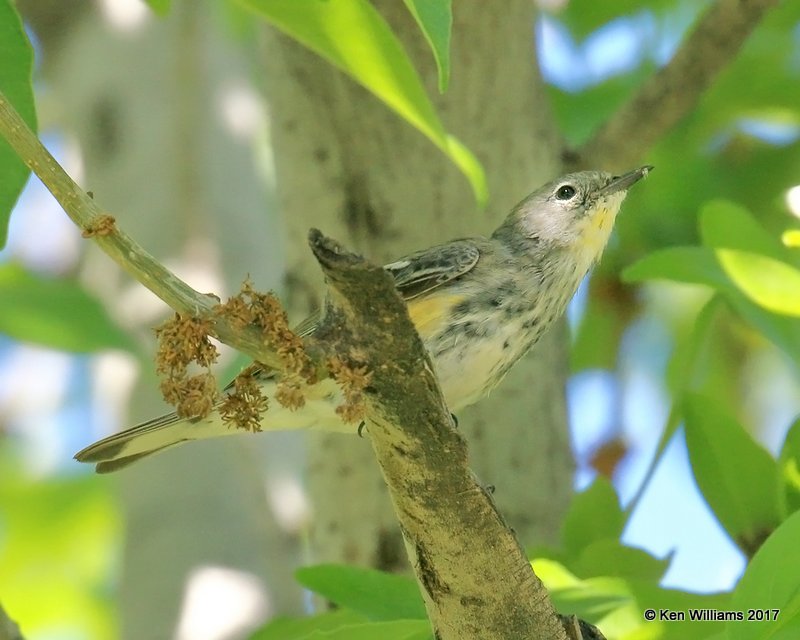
[428, 269]
[415, 274]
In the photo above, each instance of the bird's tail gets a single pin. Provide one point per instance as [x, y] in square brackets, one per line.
[126, 447]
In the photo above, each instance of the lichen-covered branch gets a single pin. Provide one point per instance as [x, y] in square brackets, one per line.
[99, 225]
[676, 88]
[474, 577]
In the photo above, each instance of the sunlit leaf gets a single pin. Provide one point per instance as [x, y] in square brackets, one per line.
[791, 238]
[435, 18]
[737, 477]
[55, 312]
[726, 225]
[59, 539]
[375, 594]
[352, 35]
[16, 66]
[691, 265]
[783, 331]
[770, 583]
[769, 283]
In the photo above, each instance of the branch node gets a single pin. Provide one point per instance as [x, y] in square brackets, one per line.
[102, 225]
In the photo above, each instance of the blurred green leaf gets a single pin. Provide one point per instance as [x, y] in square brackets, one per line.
[609, 310]
[589, 599]
[580, 113]
[791, 238]
[584, 16]
[16, 66]
[609, 557]
[726, 225]
[435, 18]
[332, 627]
[770, 581]
[769, 283]
[302, 628]
[691, 265]
[57, 543]
[352, 35]
[57, 313]
[651, 596]
[377, 595]
[789, 469]
[594, 514]
[159, 7]
[782, 331]
[738, 478]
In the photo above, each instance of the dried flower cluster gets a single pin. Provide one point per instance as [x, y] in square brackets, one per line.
[250, 307]
[353, 379]
[243, 405]
[182, 341]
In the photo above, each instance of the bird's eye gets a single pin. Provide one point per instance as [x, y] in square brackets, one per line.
[565, 192]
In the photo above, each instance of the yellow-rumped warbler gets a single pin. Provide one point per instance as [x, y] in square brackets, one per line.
[478, 304]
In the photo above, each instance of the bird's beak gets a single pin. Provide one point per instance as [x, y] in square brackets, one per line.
[623, 182]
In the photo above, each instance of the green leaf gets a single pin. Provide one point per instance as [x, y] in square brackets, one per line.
[300, 628]
[16, 66]
[377, 595]
[769, 283]
[584, 16]
[352, 35]
[771, 582]
[594, 515]
[330, 627]
[691, 265]
[789, 468]
[725, 225]
[57, 313]
[589, 599]
[736, 475]
[783, 331]
[435, 18]
[651, 596]
[609, 557]
[159, 7]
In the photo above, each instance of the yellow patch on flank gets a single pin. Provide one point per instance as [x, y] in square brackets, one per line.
[429, 312]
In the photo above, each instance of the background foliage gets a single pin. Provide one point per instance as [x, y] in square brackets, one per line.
[696, 302]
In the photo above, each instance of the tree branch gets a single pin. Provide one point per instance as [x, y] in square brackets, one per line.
[119, 246]
[676, 88]
[474, 577]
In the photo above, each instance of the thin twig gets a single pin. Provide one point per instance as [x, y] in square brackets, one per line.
[676, 88]
[120, 247]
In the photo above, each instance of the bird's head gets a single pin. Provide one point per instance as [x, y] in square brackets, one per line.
[576, 213]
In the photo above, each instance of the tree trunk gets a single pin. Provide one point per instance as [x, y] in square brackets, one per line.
[349, 166]
[146, 106]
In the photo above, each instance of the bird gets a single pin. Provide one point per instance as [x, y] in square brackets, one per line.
[478, 304]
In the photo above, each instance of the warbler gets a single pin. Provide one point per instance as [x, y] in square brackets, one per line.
[478, 305]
